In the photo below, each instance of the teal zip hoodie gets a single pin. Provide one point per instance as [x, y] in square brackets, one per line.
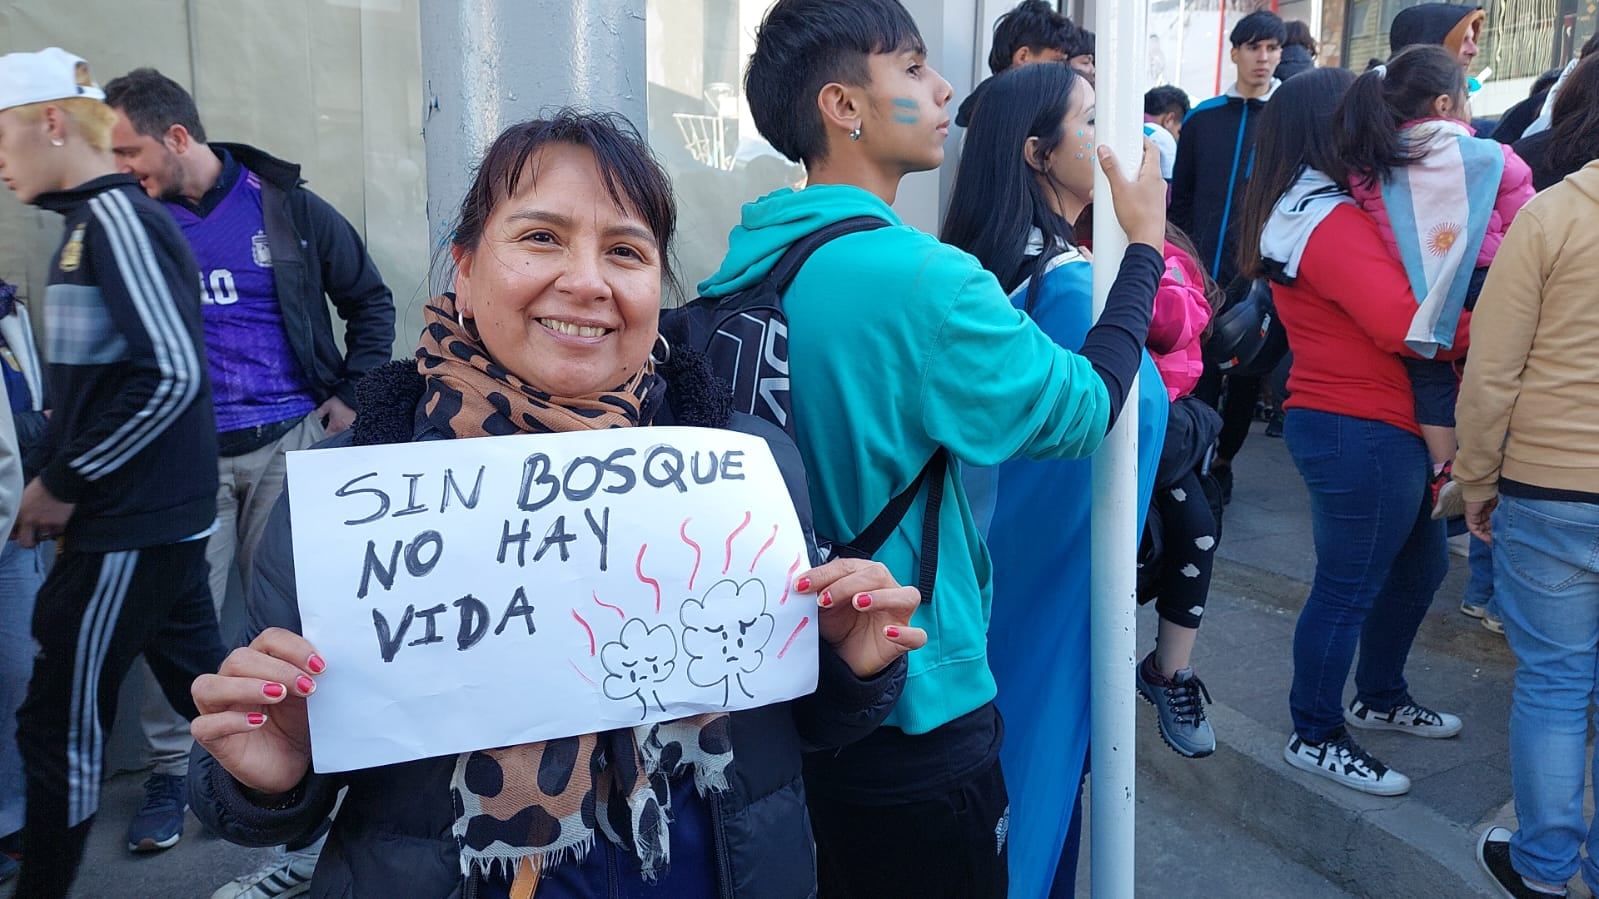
[899, 344]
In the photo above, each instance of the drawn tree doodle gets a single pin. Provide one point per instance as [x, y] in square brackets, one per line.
[725, 633]
[638, 662]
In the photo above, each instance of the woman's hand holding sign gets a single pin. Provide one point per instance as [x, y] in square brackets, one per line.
[865, 613]
[252, 711]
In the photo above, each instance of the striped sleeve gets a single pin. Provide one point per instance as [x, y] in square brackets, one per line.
[141, 281]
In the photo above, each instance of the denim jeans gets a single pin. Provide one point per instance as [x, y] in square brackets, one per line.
[1379, 559]
[1480, 588]
[21, 573]
[1546, 587]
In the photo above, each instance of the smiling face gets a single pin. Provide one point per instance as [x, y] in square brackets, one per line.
[904, 119]
[152, 161]
[565, 284]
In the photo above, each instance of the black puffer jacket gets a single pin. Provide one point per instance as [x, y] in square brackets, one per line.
[392, 834]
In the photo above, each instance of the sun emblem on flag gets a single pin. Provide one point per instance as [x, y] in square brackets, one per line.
[1441, 237]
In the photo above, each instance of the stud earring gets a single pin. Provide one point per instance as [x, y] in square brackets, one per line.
[856, 134]
[57, 142]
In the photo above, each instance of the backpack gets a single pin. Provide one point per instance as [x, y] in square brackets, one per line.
[745, 334]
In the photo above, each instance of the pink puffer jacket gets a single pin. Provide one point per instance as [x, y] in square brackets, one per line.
[1180, 316]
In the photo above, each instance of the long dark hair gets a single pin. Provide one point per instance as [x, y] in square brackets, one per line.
[1295, 133]
[1379, 103]
[997, 199]
[1574, 134]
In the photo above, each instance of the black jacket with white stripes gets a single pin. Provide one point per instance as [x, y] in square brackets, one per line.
[132, 438]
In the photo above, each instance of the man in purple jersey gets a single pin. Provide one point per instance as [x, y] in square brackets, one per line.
[271, 255]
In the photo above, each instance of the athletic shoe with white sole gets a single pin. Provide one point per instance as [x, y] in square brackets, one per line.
[287, 874]
[1341, 760]
[1407, 717]
[1493, 854]
[158, 824]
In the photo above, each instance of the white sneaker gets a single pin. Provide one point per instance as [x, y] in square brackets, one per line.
[286, 874]
[1345, 763]
[1407, 717]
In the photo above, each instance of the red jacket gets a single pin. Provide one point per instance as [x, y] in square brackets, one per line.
[1346, 316]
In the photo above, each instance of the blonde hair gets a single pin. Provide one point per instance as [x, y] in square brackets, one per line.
[92, 118]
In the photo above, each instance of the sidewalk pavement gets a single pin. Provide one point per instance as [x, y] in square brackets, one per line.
[1419, 844]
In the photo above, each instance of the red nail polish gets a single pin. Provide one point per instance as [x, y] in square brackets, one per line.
[892, 632]
[316, 664]
[827, 598]
[863, 601]
[304, 684]
[803, 585]
[272, 691]
[256, 719]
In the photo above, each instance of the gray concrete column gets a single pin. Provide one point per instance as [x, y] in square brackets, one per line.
[489, 63]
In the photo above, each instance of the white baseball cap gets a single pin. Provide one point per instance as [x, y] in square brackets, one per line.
[50, 74]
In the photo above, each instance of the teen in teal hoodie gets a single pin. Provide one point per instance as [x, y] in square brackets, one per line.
[899, 345]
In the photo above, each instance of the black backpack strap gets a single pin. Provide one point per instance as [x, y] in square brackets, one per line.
[871, 539]
[783, 273]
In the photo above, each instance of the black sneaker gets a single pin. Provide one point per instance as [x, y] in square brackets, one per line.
[1493, 854]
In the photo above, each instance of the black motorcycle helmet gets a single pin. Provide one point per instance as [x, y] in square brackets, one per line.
[1246, 337]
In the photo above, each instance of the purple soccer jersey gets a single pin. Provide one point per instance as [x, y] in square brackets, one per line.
[255, 378]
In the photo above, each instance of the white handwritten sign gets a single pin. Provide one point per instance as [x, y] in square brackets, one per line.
[470, 594]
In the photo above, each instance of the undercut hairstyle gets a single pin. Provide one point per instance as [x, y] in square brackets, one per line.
[633, 177]
[93, 119]
[805, 45]
[1033, 24]
[154, 103]
[1295, 133]
[1383, 99]
[1261, 25]
[1166, 98]
[1574, 132]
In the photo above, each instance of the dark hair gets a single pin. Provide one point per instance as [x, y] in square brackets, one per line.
[997, 199]
[1574, 128]
[1260, 25]
[1295, 133]
[1297, 34]
[1033, 24]
[1591, 44]
[631, 173]
[1165, 98]
[1082, 44]
[154, 103]
[1543, 82]
[1380, 102]
[804, 45]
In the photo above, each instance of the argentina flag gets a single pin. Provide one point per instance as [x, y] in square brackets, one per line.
[1440, 207]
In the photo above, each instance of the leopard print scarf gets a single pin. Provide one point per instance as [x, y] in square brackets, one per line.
[522, 809]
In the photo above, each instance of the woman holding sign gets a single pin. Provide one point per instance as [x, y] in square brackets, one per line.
[560, 250]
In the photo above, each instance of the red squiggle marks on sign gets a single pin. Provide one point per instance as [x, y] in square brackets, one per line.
[579, 672]
[764, 547]
[728, 562]
[790, 641]
[617, 609]
[638, 569]
[587, 629]
[789, 582]
[683, 532]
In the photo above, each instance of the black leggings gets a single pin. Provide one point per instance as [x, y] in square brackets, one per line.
[1188, 550]
[1234, 397]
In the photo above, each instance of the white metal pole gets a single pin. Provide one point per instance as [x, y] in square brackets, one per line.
[1121, 37]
